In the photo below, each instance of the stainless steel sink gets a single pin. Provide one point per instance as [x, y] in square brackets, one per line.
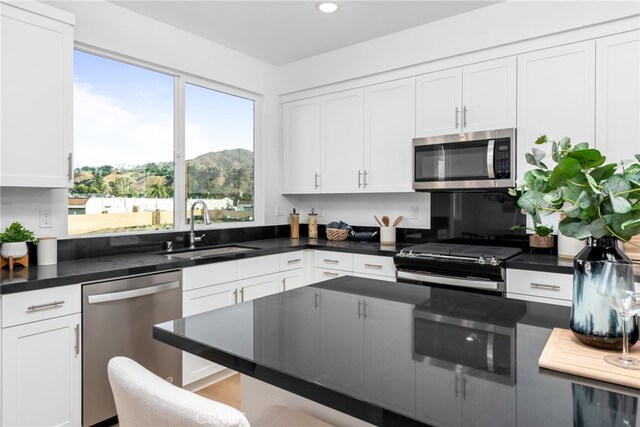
[211, 252]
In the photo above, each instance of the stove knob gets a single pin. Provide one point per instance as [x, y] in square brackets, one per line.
[494, 261]
[481, 259]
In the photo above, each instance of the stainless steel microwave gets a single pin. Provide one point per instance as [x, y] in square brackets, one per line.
[465, 161]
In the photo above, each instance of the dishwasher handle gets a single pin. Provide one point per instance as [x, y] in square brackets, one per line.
[150, 290]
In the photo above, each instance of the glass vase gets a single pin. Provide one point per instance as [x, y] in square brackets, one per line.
[593, 321]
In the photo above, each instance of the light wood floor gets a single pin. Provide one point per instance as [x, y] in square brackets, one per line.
[226, 391]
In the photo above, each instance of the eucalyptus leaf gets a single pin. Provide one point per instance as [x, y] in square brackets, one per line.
[567, 168]
[619, 204]
[555, 154]
[588, 213]
[512, 192]
[598, 228]
[581, 146]
[616, 184]
[564, 143]
[588, 157]
[552, 198]
[603, 172]
[593, 184]
[530, 159]
[530, 201]
[584, 200]
[541, 140]
[572, 211]
[630, 223]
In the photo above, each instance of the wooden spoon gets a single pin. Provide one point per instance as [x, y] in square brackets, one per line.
[385, 221]
[397, 221]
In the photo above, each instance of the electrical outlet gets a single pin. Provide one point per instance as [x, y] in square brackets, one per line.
[45, 219]
[414, 212]
[279, 210]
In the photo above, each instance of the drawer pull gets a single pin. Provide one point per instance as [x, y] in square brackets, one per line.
[294, 261]
[328, 273]
[543, 286]
[374, 266]
[330, 261]
[47, 305]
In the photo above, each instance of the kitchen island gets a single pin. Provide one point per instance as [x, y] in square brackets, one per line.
[393, 354]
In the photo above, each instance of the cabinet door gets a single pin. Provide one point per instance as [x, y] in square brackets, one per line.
[342, 339]
[41, 373]
[438, 101]
[291, 279]
[301, 146]
[322, 274]
[438, 398]
[556, 97]
[618, 96]
[257, 287]
[389, 369]
[37, 91]
[489, 95]
[301, 332]
[389, 126]
[342, 142]
[195, 302]
[486, 403]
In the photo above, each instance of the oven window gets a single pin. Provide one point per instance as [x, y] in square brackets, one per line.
[451, 162]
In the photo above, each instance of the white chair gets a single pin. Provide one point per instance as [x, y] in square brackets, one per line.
[144, 399]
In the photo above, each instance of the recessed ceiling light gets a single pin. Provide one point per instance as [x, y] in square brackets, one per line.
[327, 7]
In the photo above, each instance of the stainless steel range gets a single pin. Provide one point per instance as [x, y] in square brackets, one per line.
[454, 265]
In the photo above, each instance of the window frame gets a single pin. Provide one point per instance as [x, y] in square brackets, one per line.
[180, 79]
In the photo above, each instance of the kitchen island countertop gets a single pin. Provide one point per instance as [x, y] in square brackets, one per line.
[396, 354]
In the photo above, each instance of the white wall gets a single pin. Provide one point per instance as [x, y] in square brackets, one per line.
[24, 205]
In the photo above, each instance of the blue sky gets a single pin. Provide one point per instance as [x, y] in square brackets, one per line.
[124, 115]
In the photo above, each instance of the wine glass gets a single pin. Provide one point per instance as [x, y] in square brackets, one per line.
[617, 287]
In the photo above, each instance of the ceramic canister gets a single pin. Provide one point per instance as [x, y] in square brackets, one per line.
[47, 251]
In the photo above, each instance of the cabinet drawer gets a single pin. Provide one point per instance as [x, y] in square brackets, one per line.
[375, 277]
[540, 284]
[208, 298]
[31, 306]
[333, 260]
[258, 266]
[320, 274]
[291, 260]
[371, 264]
[207, 275]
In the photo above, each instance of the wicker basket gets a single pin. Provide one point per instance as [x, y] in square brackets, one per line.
[337, 234]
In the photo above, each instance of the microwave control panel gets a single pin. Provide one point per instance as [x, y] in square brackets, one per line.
[502, 159]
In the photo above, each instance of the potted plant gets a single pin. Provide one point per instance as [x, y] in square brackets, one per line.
[541, 237]
[14, 241]
[601, 201]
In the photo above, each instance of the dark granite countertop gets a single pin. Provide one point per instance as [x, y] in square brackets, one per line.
[108, 267]
[419, 356]
[541, 262]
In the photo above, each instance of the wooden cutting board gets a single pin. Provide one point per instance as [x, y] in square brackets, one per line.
[633, 251]
[564, 353]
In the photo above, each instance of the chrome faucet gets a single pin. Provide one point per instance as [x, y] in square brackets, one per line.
[205, 213]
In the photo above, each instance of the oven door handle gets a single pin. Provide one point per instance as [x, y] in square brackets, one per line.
[452, 281]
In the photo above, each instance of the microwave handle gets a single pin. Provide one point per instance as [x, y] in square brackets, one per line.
[490, 169]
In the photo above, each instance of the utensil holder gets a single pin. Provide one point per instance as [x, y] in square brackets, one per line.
[387, 235]
[47, 251]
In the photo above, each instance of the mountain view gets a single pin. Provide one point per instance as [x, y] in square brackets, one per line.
[227, 173]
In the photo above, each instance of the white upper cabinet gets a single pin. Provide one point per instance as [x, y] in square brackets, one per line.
[302, 146]
[618, 95]
[556, 97]
[37, 96]
[342, 136]
[389, 111]
[467, 99]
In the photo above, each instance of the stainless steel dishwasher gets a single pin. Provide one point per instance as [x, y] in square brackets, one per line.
[117, 320]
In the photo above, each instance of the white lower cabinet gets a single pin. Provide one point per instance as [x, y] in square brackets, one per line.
[540, 286]
[329, 265]
[41, 373]
[291, 279]
[257, 287]
[462, 400]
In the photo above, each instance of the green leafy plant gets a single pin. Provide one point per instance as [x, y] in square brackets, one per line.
[540, 230]
[598, 198]
[17, 233]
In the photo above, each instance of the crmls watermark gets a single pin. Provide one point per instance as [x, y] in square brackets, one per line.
[208, 418]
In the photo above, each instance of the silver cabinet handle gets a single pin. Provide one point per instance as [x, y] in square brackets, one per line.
[116, 296]
[457, 124]
[46, 305]
[294, 261]
[77, 346]
[364, 309]
[328, 273]
[543, 286]
[235, 296]
[364, 179]
[359, 179]
[330, 261]
[456, 388]
[70, 159]
[359, 309]
[241, 294]
[316, 300]
[464, 387]
[284, 283]
[315, 178]
[464, 116]
[374, 266]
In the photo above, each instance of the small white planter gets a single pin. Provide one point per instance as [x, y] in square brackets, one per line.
[13, 250]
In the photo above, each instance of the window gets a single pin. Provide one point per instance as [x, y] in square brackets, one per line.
[124, 146]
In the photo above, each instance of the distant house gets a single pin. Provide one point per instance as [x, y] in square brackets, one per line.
[77, 205]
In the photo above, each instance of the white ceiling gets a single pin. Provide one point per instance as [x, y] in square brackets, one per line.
[280, 32]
